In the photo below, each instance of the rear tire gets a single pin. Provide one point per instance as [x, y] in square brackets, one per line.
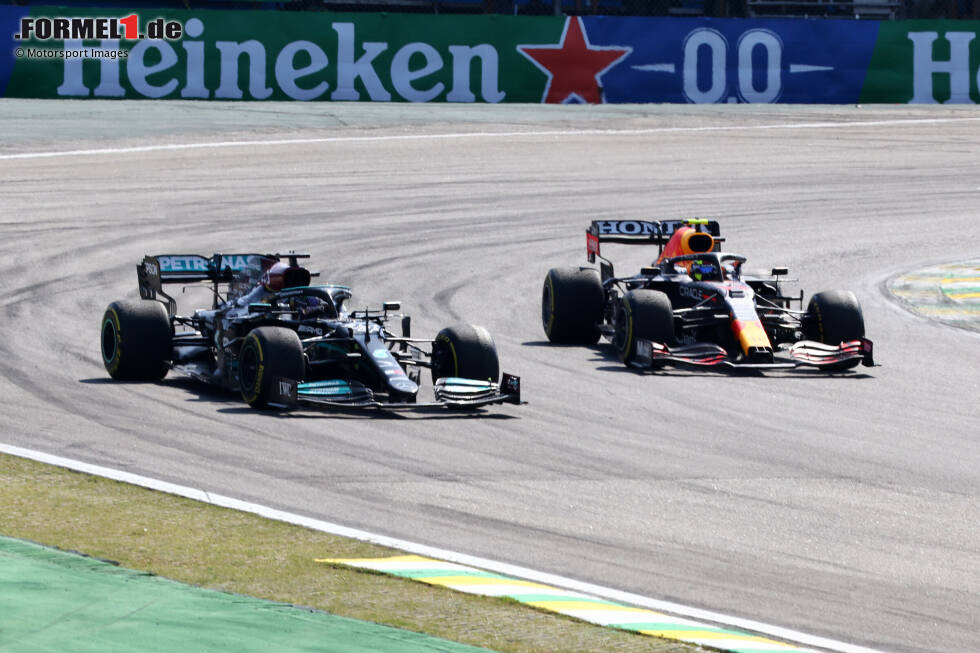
[465, 351]
[267, 353]
[642, 314]
[571, 305]
[833, 317]
[137, 340]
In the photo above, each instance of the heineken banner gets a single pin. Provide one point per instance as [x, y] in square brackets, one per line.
[52, 52]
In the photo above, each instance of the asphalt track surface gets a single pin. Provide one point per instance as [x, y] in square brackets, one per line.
[846, 506]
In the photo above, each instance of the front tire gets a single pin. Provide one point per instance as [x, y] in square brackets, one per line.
[642, 314]
[833, 317]
[465, 351]
[137, 340]
[571, 305]
[267, 353]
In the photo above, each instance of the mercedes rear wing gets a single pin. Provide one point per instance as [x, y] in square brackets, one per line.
[155, 271]
[641, 232]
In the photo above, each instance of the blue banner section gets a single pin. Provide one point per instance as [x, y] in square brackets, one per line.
[718, 60]
[9, 25]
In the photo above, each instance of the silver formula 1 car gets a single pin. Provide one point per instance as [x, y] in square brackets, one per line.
[281, 341]
[693, 306]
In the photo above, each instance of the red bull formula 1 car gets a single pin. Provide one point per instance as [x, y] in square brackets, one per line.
[280, 341]
[693, 306]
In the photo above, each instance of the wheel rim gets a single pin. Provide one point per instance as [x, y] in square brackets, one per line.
[619, 332]
[248, 368]
[441, 365]
[108, 341]
[546, 313]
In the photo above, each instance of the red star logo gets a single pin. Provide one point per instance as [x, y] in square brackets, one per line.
[574, 65]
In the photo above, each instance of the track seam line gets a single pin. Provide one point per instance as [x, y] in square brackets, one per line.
[463, 135]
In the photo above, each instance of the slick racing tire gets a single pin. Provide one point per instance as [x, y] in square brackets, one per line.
[465, 351]
[267, 353]
[642, 314]
[571, 305]
[833, 317]
[136, 340]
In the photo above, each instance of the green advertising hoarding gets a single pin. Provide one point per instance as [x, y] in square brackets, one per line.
[925, 61]
[380, 57]
[279, 55]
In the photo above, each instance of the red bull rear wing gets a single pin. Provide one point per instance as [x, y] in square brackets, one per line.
[641, 232]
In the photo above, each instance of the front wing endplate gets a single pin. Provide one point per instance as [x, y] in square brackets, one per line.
[450, 393]
[805, 353]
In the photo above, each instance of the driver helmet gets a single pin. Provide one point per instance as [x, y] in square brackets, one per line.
[274, 278]
[305, 305]
[281, 275]
[702, 270]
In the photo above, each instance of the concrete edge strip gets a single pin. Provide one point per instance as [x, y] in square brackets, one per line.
[441, 554]
[572, 604]
[509, 134]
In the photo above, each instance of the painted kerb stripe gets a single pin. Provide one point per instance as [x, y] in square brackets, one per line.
[949, 293]
[592, 609]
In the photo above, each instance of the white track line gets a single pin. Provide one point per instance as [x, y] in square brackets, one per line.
[462, 135]
[433, 552]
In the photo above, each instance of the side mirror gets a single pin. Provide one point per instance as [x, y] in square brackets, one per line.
[391, 306]
[780, 272]
[260, 307]
[606, 270]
